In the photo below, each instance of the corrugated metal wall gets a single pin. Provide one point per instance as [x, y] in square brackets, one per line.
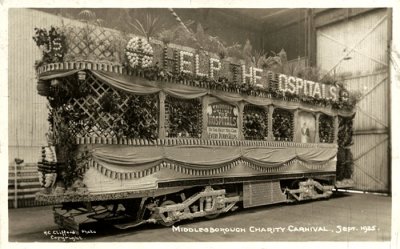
[367, 71]
[27, 122]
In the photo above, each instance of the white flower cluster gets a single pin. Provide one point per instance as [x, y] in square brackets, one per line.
[253, 75]
[139, 52]
[197, 67]
[215, 65]
[183, 62]
[247, 75]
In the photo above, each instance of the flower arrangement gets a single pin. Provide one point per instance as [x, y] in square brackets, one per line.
[325, 129]
[139, 53]
[51, 43]
[183, 117]
[140, 120]
[255, 122]
[282, 125]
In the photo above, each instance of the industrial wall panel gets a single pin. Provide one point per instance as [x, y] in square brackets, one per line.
[357, 49]
[28, 113]
[372, 113]
[366, 33]
[370, 165]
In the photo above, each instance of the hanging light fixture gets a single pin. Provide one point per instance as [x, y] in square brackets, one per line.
[54, 82]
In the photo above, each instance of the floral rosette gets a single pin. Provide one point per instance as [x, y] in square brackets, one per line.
[139, 53]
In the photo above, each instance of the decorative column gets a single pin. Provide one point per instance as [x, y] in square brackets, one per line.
[270, 136]
[161, 115]
[335, 129]
[296, 129]
[317, 128]
[204, 105]
[240, 120]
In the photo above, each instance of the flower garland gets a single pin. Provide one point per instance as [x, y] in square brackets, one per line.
[139, 53]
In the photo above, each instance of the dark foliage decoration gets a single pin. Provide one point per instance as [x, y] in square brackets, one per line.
[140, 119]
[255, 123]
[79, 108]
[72, 160]
[62, 116]
[282, 125]
[326, 129]
[345, 163]
[52, 43]
[345, 133]
[183, 117]
[92, 108]
[109, 102]
[65, 89]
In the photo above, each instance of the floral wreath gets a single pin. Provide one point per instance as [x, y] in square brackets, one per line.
[139, 52]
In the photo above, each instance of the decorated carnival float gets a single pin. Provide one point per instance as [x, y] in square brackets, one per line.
[146, 131]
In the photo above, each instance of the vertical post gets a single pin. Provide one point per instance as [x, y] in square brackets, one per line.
[317, 140]
[161, 115]
[336, 129]
[389, 99]
[311, 39]
[295, 126]
[240, 120]
[204, 105]
[270, 136]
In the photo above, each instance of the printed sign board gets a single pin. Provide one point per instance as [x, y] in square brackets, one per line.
[222, 121]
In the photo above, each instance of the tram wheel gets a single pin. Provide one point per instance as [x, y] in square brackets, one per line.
[167, 214]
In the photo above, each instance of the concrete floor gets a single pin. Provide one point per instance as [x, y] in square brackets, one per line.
[345, 217]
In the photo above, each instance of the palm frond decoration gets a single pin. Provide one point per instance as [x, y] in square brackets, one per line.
[148, 27]
[247, 51]
[259, 59]
[167, 36]
[235, 51]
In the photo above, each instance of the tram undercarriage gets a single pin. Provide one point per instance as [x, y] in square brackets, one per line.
[190, 203]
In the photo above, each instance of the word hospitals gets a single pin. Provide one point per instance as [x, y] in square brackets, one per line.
[189, 63]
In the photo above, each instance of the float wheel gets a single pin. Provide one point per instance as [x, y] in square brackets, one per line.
[167, 214]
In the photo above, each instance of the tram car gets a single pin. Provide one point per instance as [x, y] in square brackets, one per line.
[160, 133]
